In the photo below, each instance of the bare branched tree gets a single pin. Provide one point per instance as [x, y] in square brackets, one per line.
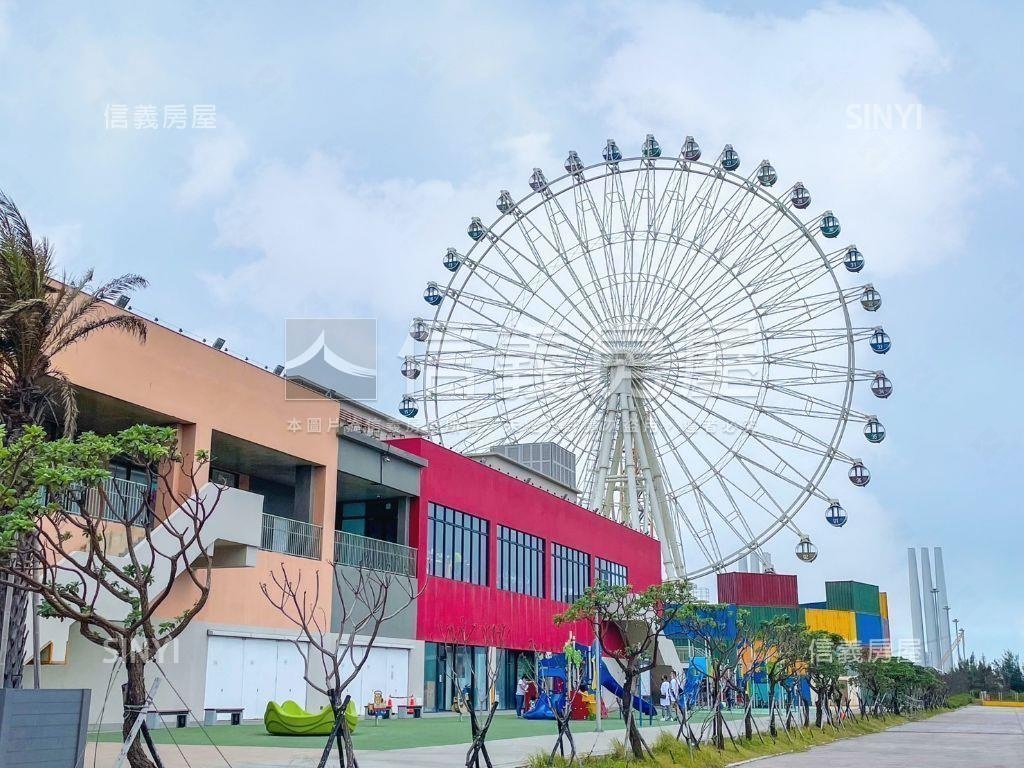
[465, 636]
[365, 599]
[108, 558]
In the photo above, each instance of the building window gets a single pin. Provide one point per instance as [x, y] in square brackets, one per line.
[520, 562]
[572, 573]
[456, 545]
[612, 574]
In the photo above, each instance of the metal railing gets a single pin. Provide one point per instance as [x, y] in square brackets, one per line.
[290, 537]
[374, 554]
[126, 500]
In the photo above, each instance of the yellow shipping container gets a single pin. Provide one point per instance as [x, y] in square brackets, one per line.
[842, 623]
[883, 605]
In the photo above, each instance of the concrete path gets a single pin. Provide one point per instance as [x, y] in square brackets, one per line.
[972, 737]
[506, 753]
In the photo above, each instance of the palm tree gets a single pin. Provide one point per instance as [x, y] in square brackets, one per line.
[40, 316]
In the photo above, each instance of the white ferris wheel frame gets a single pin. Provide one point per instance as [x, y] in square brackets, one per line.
[624, 416]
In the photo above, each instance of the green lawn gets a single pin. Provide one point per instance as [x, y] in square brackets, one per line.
[386, 734]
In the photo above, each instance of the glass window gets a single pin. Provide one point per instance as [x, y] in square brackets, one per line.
[612, 574]
[521, 558]
[458, 543]
[571, 573]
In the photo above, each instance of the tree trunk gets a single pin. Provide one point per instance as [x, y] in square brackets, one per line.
[633, 741]
[134, 702]
[16, 626]
[771, 710]
[817, 710]
[718, 732]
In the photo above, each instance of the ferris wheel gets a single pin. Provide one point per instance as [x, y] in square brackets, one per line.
[686, 331]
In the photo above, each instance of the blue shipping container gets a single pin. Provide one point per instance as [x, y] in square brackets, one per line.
[718, 621]
[869, 628]
[816, 606]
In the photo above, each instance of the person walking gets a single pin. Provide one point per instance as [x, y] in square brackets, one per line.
[666, 698]
[521, 688]
[674, 694]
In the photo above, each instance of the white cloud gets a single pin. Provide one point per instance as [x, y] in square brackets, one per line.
[772, 86]
[212, 165]
[829, 96]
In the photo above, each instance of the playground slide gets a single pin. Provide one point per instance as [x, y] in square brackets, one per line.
[609, 682]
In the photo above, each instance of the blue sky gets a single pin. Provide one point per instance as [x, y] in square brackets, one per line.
[354, 141]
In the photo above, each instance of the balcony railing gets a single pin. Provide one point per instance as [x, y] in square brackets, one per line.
[125, 501]
[291, 537]
[374, 554]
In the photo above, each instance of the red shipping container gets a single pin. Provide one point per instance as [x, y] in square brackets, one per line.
[758, 589]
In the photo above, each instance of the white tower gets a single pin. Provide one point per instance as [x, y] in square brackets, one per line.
[945, 642]
[915, 605]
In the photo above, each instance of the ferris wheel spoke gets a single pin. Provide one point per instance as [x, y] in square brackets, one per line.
[703, 537]
[556, 213]
[817, 446]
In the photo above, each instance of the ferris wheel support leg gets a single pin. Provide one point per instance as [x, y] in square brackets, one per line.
[599, 491]
[629, 466]
[654, 502]
[671, 544]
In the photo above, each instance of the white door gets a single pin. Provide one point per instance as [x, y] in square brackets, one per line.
[259, 675]
[223, 672]
[249, 672]
[290, 682]
[398, 673]
[386, 670]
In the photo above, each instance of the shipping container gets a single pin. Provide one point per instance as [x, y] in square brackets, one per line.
[819, 604]
[842, 623]
[883, 604]
[757, 589]
[760, 614]
[885, 629]
[714, 620]
[851, 596]
[869, 628]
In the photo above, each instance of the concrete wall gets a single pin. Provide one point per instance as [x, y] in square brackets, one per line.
[403, 625]
[183, 669]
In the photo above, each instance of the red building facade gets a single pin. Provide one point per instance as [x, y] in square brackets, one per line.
[455, 482]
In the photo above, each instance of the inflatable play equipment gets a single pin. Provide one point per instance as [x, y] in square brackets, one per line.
[289, 719]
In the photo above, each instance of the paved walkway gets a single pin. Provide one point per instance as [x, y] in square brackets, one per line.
[972, 737]
[506, 753]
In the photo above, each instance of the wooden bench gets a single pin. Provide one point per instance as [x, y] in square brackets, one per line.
[153, 717]
[210, 714]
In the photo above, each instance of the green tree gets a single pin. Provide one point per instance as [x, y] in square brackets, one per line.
[1010, 671]
[639, 619]
[41, 315]
[113, 597]
[720, 632]
[782, 655]
[824, 668]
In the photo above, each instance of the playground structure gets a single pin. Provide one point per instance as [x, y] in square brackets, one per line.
[553, 680]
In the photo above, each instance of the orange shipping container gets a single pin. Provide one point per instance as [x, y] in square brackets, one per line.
[842, 623]
[883, 605]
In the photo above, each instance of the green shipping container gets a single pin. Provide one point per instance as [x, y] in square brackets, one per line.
[852, 596]
[760, 614]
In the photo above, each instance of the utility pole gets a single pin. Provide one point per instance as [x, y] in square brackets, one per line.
[959, 646]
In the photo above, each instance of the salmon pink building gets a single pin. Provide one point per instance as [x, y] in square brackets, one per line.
[495, 544]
